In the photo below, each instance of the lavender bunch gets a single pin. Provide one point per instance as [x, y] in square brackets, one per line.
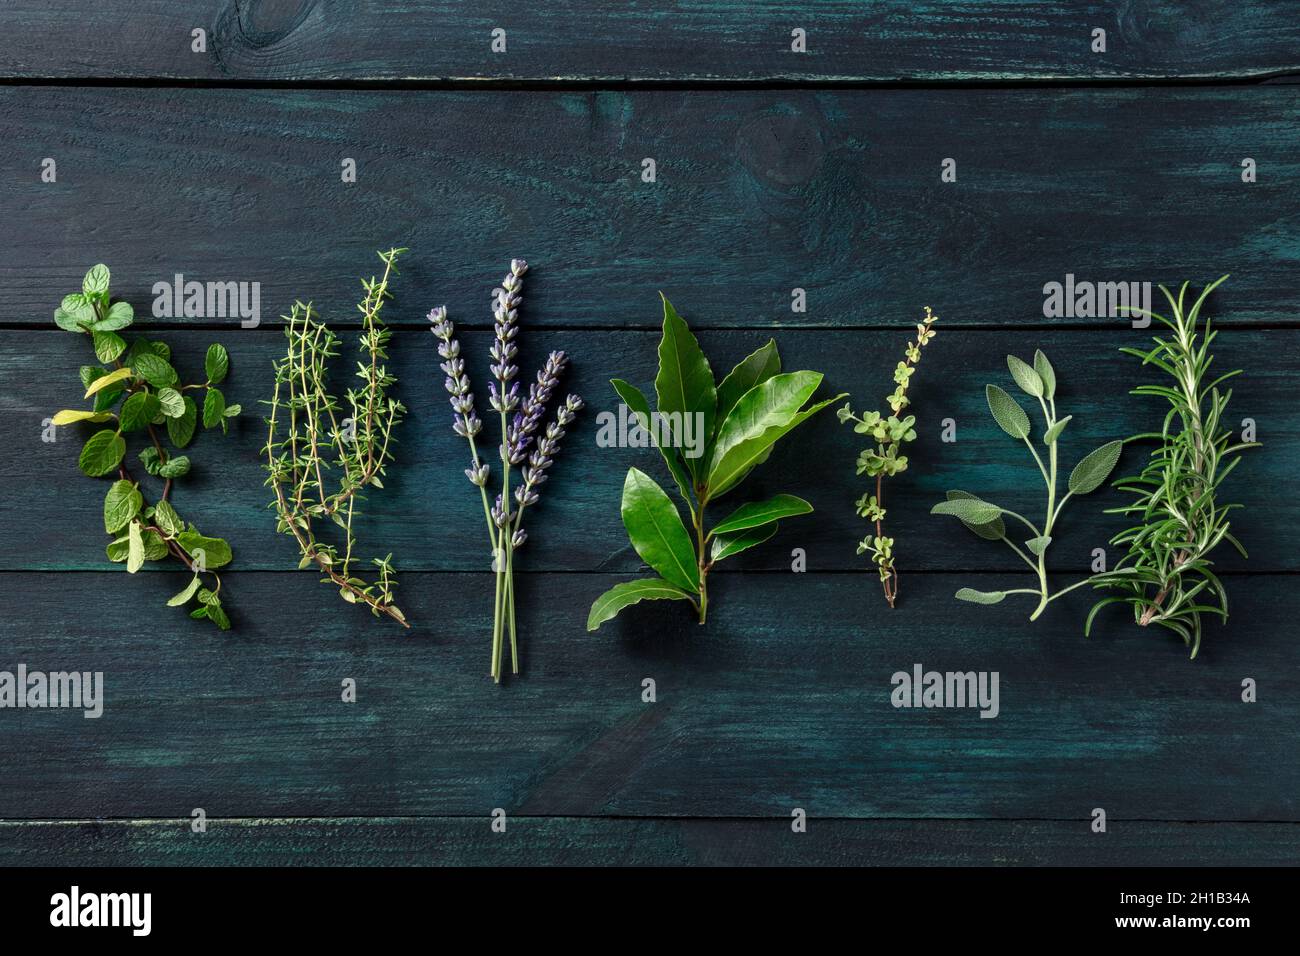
[525, 444]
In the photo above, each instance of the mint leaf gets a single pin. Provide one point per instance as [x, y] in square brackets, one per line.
[167, 518]
[181, 430]
[180, 465]
[214, 408]
[119, 316]
[121, 504]
[154, 369]
[179, 599]
[139, 410]
[108, 345]
[172, 402]
[96, 280]
[211, 552]
[102, 453]
[216, 364]
[134, 548]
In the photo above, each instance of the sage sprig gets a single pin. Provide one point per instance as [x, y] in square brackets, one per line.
[137, 389]
[524, 443]
[321, 457]
[890, 434]
[1166, 573]
[711, 436]
[985, 519]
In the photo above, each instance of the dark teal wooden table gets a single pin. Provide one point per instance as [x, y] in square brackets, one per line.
[775, 170]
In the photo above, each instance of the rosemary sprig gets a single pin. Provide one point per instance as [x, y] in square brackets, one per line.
[359, 442]
[890, 434]
[1166, 574]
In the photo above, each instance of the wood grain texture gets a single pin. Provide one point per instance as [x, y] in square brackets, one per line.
[781, 701]
[757, 193]
[712, 40]
[541, 841]
[430, 517]
[775, 171]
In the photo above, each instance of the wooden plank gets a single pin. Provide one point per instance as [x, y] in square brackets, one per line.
[757, 193]
[782, 701]
[588, 40]
[546, 841]
[430, 518]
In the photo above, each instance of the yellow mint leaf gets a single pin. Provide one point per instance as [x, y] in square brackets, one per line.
[106, 380]
[69, 415]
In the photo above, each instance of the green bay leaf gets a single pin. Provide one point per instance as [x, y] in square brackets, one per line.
[655, 529]
[684, 385]
[761, 512]
[640, 408]
[754, 369]
[726, 545]
[623, 595]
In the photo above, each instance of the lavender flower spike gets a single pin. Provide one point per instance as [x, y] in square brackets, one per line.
[544, 456]
[465, 422]
[505, 312]
[530, 414]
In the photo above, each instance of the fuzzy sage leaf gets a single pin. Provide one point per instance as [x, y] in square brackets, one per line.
[986, 519]
[1011, 418]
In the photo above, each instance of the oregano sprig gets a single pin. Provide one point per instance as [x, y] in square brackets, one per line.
[890, 434]
[137, 389]
[322, 456]
[1166, 573]
[985, 519]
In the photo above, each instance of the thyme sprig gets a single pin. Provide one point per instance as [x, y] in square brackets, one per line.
[327, 455]
[890, 434]
[1166, 574]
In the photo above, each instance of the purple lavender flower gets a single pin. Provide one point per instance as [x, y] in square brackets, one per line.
[465, 422]
[505, 312]
[533, 409]
[501, 513]
[548, 446]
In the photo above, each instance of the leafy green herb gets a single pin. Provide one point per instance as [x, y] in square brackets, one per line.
[890, 434]
[142, 372]
[1166, 575]
[986, 519]
[711, 437]
[315, 427]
